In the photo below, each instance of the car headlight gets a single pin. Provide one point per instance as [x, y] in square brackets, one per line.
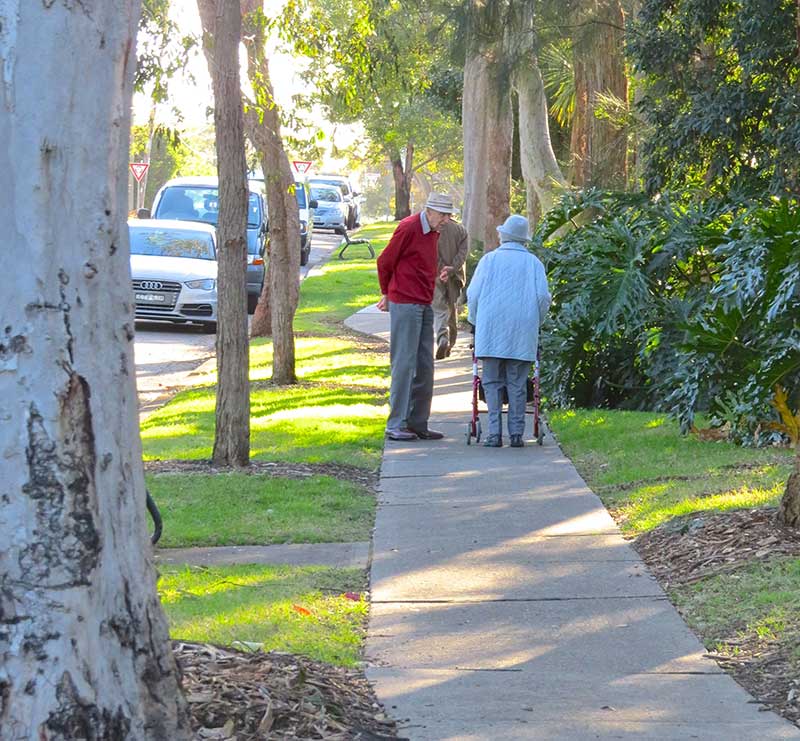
[206, 284]
[303, 227]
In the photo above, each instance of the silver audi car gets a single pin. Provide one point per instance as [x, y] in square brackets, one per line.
[174, 271]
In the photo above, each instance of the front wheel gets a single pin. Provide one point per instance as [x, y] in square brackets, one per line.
[208, 327]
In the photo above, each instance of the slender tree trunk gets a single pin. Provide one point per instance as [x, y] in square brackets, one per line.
[151, 128]
[488, 126]
[261, 324]
[599, 148]
[222, 26]
[84, 648]
[402, 188]
[283, 273]
[789, 509]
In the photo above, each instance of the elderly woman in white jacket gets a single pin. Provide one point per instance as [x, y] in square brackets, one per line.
[507, 298]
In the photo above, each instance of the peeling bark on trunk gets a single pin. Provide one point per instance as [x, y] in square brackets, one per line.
[488, 136]
[598, 147]
[264, 129]
[84, 648]
[789, 509]
[221, 35]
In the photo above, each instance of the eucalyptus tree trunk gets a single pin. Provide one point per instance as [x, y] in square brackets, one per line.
[543, 178]
[84, 648]
[488, 126]
[789, 509]
[403, 172]
[222, 27]
[283, 271]
[598, 146]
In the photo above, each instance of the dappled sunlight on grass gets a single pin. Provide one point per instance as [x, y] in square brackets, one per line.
[335, 414]
[642, 467]
[656, 505]
[298, 609]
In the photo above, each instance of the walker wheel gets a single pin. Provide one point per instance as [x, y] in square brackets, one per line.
[469, 433]
[478, 433]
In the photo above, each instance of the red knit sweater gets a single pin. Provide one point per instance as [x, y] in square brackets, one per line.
[407, 267]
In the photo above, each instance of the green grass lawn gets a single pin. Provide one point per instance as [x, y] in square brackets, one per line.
[301, 610]
[644, 470]
[335, 414]
[240, 509]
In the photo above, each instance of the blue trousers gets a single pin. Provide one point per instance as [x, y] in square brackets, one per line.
[500, 373]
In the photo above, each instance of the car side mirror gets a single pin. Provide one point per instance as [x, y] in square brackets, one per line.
[143, 213]
[313, 204]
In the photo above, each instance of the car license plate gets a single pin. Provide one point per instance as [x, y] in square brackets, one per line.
[156, 297]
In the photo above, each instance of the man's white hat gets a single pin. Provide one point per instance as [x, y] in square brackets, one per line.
[514, 229]
[441, 203]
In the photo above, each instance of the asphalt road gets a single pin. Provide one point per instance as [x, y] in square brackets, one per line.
[168, 354]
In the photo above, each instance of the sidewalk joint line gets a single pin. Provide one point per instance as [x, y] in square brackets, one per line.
[456, 601]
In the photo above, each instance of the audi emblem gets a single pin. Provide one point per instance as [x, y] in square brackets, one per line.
[151, 285]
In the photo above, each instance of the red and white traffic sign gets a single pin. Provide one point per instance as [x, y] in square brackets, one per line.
[301, 166]
[139, 169]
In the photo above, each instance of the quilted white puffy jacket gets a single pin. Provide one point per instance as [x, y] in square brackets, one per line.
[507, 299]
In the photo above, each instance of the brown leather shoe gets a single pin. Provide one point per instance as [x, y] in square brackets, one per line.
[401, 434]
[427, 434]
[442, 348]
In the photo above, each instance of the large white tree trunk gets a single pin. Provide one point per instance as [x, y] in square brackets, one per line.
[543, 177]
[488, 126]
[540, 170]
[84, 649]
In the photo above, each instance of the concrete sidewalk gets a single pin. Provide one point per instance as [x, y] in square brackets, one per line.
[506, 604]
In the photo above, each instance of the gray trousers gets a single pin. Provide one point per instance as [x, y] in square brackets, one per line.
[411, 354]
[445, 311]
[499, 373]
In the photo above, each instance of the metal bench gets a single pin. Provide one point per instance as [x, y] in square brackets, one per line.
[348, 242]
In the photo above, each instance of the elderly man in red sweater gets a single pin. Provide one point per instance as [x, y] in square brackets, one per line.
[407, 271]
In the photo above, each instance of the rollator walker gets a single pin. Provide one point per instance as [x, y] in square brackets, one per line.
[533, 400]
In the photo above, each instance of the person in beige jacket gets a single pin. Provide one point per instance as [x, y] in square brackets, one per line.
[453, 248]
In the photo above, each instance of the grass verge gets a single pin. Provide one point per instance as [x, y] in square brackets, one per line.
[647, 473]
[313, 611]
[335, 414]
[239, 509]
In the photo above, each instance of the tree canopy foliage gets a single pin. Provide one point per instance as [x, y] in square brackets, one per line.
[720, 91]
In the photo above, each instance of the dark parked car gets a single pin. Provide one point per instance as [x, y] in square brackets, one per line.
[306, 205]
[197, 199]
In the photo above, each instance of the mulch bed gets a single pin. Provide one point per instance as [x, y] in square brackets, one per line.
[366, 478]
[691, 548]
[255, 696]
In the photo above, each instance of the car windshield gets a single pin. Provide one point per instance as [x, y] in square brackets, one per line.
[300, 194]
[343, 187]
[198, 203]
[172, 243]
[326, 194]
